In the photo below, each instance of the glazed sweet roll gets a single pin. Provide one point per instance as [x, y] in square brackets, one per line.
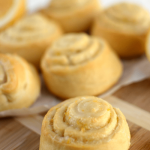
[30, 37]
[73, 15]
[77, 65]
[84, 123]
[19, 83]
[125, 26]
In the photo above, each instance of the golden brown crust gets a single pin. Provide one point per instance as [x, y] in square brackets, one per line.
[19, 83]
[30, 37]
[78, 64]
[84, 123]
[147, 45]
[125, 27]
[75, 15]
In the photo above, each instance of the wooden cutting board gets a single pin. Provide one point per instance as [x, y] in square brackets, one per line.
[133, 100]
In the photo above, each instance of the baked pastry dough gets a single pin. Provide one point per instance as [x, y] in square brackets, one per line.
[19, 83]
[125, 27]
[78, 65]
[73, 15]
[148, 46]
[30, 37]
[84, 123]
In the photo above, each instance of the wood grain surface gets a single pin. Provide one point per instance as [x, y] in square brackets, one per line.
[15, 136]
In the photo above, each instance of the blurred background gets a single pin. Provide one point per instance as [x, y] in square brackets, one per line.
[34, 5]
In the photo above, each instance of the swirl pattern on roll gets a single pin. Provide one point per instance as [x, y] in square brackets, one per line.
[17, 81]
[29, 29]
[86, 122]
[8, 76]
[73, 15]
[2, 75]
[78, 64]
[125, 17]
[72, 50]
[30, 37]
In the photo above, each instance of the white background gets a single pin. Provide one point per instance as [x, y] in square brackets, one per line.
[33, 5]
